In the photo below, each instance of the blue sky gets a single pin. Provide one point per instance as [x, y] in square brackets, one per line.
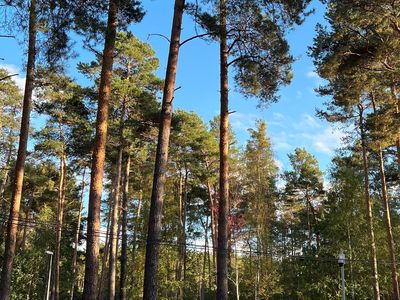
[291, 122]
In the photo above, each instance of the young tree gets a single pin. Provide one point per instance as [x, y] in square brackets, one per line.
[260, 183]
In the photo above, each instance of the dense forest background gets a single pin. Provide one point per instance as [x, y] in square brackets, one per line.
[116, 194]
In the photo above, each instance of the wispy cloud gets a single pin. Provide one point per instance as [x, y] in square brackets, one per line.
[242, 121]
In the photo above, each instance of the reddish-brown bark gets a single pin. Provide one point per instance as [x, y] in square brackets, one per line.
[96, 182]
[12, 226]
[223, 207]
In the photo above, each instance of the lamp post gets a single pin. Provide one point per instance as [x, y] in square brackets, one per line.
[341, 261]
[50, 253]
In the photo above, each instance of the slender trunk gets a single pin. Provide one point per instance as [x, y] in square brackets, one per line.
[135, 228]
[237, 273]
[114, 231]
[23, 240]
[223, 230]
[7, 169]
[9, 250]
[387, 218]
[396, 102]
[203, 274]
[96, 182]
[213, 221]
[388, 224]
[178, 272]
[105, 257]
[55, 292]
[350, 263]
[77, 233]
[368, 203]
[3, 184]
[157, 195]
[124, 244]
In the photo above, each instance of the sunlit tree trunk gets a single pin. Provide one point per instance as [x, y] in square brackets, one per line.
[77, 233]
[368, 203]
[157, 195]
[12, 226]
[223, 230]
[99, 149]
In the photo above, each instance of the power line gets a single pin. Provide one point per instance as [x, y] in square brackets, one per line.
[191, 246]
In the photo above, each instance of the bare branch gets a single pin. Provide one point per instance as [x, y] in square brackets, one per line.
[158, 34]
[195, 37]
[6, 36]
[6, 77]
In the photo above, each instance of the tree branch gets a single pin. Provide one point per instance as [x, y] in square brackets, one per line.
[158, 34]
[195, 37]
[4, 78]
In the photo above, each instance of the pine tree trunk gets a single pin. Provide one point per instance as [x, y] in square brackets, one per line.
[3, 184]
[77, 233]
[7, 168]
[387, 218]
[124, 242]
[134, 239]
[96, 182]
[213, 221]
[105, 257]
[223, 230]
[23, 240]
[368, 203]
[157, 195]
[388, 225]
[55, 293]
[114, 231]
[12, 226]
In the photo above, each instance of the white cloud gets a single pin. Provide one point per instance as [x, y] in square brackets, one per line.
[241, 121]
[325, 141]
[306, 122]
[20, 79]
[312, 74]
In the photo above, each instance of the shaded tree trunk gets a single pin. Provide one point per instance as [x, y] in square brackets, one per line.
[223, 230]
[387, 219]
[105, 257]
[213, 221]
[55, 293]
[157, 195]
[114, 234]
[368, 203]
[77, 233]
[12, 226]
[96, 182]
[114, 231]
[388, 225]
[134, 240]
[124, 242]
[25, 228]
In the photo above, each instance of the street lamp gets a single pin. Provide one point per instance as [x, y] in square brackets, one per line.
[50, 253]
[341, 261]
